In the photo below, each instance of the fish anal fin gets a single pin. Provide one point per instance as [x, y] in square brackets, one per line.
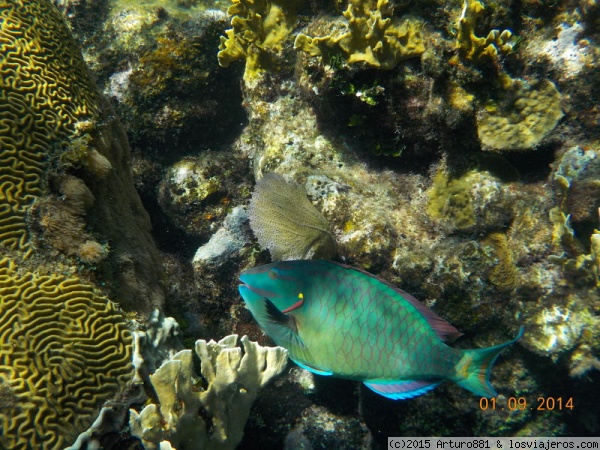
[400, 390]
[312, 369]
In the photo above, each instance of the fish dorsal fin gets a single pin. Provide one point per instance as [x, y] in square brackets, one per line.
[400, 390]
[444, 330]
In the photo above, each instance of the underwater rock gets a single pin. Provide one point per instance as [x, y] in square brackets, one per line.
[196, 193]
[206, 410]
[227, 243]
[320, 428]
[284, 221]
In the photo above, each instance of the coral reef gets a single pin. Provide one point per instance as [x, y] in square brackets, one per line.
[206, 410]
[64, 351]
[372, 39]
[284, 221]
[521, 118]
[393, 159]
[196, 193]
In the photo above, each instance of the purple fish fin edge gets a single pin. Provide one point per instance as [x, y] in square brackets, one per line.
[401, 390]
[313, 370]
[444, 330]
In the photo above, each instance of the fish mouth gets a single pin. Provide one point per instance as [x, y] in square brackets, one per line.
[262, 292]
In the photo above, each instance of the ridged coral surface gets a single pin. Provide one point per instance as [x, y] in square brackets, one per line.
[45, 90]
[64, 351]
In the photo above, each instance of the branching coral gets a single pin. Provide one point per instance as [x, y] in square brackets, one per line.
[212, 417]
[259, 29]
[372, 39]
[473, 47]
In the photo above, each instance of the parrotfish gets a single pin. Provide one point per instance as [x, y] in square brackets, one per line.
[337, 320]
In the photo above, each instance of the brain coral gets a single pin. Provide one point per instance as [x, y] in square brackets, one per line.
[64, 351]
[53, 119]
[42, 98]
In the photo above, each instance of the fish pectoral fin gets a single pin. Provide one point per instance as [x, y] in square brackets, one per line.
[282, 327]
[313, 370]
[400, 390]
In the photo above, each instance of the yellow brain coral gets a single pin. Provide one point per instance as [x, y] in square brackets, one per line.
[371, 38]
[524, 115]
[64, 351]
[45, 90]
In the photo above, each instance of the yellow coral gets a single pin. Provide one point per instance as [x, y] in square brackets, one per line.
[475, 48]
[370, 39]
[45, 90]
[259, 28]
[524, 115]
[64, 350]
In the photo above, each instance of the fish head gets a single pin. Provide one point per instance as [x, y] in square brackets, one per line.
[280, 283]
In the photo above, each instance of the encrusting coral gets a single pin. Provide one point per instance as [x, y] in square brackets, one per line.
[206, 410]
[64, 350]
[474, 201]
[372, 39]
[284, 221]
[521, 118]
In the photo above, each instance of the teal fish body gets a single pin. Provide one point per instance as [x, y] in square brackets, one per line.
[336, 320]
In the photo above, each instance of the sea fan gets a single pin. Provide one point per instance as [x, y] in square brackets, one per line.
[284, 221]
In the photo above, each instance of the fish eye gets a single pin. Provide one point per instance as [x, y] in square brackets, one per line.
[272, 274]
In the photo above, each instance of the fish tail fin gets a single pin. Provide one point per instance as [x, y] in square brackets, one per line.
[474, 368]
